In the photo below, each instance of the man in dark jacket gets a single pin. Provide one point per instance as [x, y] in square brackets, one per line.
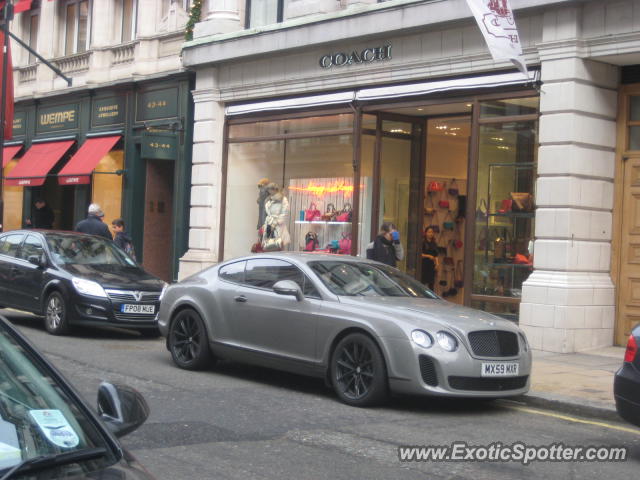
[93, 224]
[386, 247]
[41, 216]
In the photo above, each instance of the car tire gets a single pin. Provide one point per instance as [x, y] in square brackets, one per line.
[188, 342]
[56, 317]
[358, 371]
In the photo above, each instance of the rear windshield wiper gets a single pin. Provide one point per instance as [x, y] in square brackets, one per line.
[50, 461]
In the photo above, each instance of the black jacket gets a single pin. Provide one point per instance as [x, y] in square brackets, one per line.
[42, 217]
[125, 243]
[94, 226]
[384, 251]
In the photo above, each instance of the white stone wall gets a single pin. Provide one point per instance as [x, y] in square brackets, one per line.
[155, 50]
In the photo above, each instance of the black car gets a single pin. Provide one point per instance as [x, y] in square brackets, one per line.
[72, 278]
[626, 384]
[47, 431]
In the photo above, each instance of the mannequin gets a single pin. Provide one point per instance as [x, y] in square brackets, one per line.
[275, 232]
[262, 198]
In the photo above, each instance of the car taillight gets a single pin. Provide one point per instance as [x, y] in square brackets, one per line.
[632, 349]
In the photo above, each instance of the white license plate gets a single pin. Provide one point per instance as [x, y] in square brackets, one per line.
[500, 369]
[128, 308]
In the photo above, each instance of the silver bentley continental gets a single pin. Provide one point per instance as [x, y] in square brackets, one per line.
[368, 329]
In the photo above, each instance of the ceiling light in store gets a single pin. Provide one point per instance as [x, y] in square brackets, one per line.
[504, 147]
[469, 105]
[497, 139]
[420, 109]
[441, 127]
[398, 130]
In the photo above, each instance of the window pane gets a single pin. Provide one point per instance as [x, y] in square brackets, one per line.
[33, 36]
[234, 272]
[294, 125]
[634, 138]
[634, 108]
[263, 12]
[128, 12]
[396, 127]
[31, 247]
[264, 273]
[515, 106]
[71, 29]
[83, 22]
[10, 245]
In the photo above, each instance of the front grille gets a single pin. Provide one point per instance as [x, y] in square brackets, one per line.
[428, 370]
[494, 343]
[130, 296]
[135, 317]
[480, 384]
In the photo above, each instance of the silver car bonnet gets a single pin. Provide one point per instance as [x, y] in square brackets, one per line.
[424, 313]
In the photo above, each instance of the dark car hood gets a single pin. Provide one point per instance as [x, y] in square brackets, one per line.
[116, 276]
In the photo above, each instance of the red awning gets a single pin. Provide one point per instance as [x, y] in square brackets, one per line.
[8, 153]
[77, 171]
[22, 6]
[33, 167]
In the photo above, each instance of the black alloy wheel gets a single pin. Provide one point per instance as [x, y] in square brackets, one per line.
[358, 371]
[188, 341]
[56, 319]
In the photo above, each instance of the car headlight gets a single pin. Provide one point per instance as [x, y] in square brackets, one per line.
[422, 338]
[164, 289]
[523, 341]
[447, 341]
[87, 287]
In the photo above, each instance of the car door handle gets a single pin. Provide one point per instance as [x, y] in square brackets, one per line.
[240, 298]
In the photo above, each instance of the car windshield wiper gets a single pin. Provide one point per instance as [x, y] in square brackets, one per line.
[49, 461]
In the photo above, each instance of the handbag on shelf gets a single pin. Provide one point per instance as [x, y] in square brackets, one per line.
[458, 280]
[429, 209]
[448, 223]
[312, 213]
[500, 246]
[311, 242]
[435, 186]
[330, 213]
[481, 211]
[345, 244]
[522, 202]
[345, 214]
[443, 202]
[333, 246]
[505, 206]
[453, 188]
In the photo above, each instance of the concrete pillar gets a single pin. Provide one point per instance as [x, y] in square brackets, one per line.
[49, 44]
[204, 221]
[223, 16]
[568, 302]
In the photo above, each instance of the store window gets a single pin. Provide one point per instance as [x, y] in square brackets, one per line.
[505, 203]
[129, 10]
[12, 201]
[76, 26]
[263, 12]
[107, 187]
[30, 20]
[290, 191]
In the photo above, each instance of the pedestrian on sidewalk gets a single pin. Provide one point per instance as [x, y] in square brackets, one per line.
[122, 239]
[41, 215]
[93, 224]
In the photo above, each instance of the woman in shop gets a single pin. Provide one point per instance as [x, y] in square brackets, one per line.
[275, 234]
[429, 257]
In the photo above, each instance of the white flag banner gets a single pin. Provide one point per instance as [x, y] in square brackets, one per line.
[496, 22]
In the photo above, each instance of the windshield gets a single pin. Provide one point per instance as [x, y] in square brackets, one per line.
[86, 250]
[368, 279]
[37, 417]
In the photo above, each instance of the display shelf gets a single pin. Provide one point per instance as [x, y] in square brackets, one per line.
[320, 222]
[513, 215]
[505, 265]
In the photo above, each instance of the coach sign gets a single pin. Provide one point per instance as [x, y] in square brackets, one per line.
[368, 55]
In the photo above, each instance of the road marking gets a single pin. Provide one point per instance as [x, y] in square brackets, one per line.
[573, 419]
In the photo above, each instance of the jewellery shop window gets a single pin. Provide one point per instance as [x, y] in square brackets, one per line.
[504, 230]
[290, 194]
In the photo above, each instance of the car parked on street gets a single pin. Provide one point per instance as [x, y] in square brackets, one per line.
[47, 431]
[72, 278]
[626, 383]
[365, 327]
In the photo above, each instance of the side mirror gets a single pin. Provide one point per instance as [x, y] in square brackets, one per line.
[289, 287]
[121, 408]
[36, 260]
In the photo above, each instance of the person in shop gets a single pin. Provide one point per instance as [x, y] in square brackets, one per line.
[386, 248]
[41, 216]
[93, 224]
[122, 239]
[429, 257]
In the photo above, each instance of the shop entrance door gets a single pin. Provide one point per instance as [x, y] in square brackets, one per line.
[158, 219]
[396, 195]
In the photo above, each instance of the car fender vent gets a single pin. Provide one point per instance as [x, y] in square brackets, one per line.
[428, 370]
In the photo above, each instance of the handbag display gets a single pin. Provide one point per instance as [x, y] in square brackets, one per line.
[345, 214]
[311, 242]
[345, 244]
[312, 213]
[500, 247]
[429, 210]
[453, 188]
[522, 202]
[443, 202]
[333, 246]
[435, 187]
[505, 206]
[448, 223]
[330, 213]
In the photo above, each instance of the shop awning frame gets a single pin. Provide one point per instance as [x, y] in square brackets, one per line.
[79, 168]
[35, 165]
[388, 92]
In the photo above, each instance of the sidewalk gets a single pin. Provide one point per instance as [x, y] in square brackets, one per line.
[579, 383]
